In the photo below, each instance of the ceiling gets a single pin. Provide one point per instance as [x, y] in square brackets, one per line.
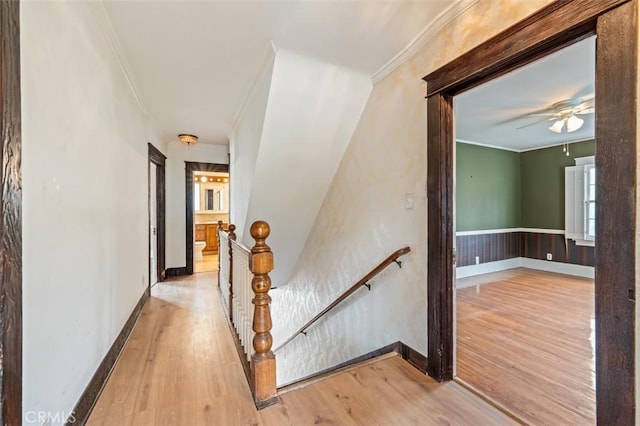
[193, 63]
[490, 114]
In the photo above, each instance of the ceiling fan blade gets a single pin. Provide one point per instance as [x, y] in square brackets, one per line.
[536, 122]
[585, 111]
[546, 114]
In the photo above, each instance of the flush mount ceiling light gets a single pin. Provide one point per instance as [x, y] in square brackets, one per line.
[188, 139]
[568, 122]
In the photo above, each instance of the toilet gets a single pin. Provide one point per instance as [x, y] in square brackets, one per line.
[198, 246]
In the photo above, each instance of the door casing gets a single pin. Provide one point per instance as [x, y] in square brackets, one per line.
[557, 25]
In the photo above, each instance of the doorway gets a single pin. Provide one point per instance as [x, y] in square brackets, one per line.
[558, 25]
[524, 288]
[211, 208]
[208, 195]
[156, 215]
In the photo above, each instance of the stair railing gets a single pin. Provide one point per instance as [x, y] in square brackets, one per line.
[247, 279]
[363, 282]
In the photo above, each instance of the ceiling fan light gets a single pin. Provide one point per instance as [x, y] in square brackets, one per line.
[574, 123]
[557, 126]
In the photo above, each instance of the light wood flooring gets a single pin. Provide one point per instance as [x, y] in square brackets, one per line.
[209, 263]
[525, 339]
[180, 367]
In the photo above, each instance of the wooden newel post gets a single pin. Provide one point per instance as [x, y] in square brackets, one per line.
[263, 361]
[232, 236]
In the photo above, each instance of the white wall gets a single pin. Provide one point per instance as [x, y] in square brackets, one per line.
[363, 218]
[85, 213]
[177, 154]
[312, 111]
[244, 143]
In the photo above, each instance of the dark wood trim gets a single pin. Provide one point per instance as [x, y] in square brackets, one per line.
[524, 42]
[364, 281]
[616, 163]
[156, 157]
[10, 216]
[89, 397]
[396, 347]
[175, 272]
[440, 237]
[553, 27]
[189, 168]
[413, 357]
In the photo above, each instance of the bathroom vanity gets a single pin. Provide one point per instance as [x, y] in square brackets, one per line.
[208, 232]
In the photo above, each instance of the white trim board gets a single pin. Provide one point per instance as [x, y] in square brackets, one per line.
[524, 262]
[118, 51]
[505, 148]
[446, 16]
[508, 230]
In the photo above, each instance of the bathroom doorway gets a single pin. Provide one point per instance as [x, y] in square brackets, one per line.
[207, 203]
[211, 207]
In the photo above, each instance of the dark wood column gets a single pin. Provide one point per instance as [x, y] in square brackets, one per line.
[10, 216]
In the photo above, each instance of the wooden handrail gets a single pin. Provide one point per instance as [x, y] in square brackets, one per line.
[364, 281]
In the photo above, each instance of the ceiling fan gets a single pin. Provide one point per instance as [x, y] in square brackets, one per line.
[564, 114]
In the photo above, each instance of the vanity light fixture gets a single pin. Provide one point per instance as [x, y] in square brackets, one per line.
[188, 139]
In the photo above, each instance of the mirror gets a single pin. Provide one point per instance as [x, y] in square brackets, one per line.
[211, 197]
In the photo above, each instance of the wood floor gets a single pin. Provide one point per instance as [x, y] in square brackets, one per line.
[208, 263]
[525, 338]
[180, 368]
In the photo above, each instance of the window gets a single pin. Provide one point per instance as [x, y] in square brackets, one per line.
[580, 201]
[590, 202]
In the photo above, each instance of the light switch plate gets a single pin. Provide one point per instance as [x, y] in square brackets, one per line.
[408, 200]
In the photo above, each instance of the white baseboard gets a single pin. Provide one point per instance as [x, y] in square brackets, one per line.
[487, 268]
[559, 267]
[524, 262]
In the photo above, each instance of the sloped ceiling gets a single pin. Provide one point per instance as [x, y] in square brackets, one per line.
[193, 63]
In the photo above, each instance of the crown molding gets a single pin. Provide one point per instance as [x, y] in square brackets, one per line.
[118, 51]
[552, 145]
[446, 16]
[486, 145]
[504, 148]
[267, 60]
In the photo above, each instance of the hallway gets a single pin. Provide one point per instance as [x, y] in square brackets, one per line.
[180, 367]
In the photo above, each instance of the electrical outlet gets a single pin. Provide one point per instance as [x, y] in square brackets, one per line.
[549, 256]
[477, 260]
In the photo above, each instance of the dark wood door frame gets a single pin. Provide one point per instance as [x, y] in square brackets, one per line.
[189, 168]
[10, 217]
[559, 24]
[158, 158]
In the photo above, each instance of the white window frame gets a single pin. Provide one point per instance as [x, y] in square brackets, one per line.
[588, 183]
[577, 201]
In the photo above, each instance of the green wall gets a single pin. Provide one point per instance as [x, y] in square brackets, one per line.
[498, 189]
[543, 183]
[487, 188]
